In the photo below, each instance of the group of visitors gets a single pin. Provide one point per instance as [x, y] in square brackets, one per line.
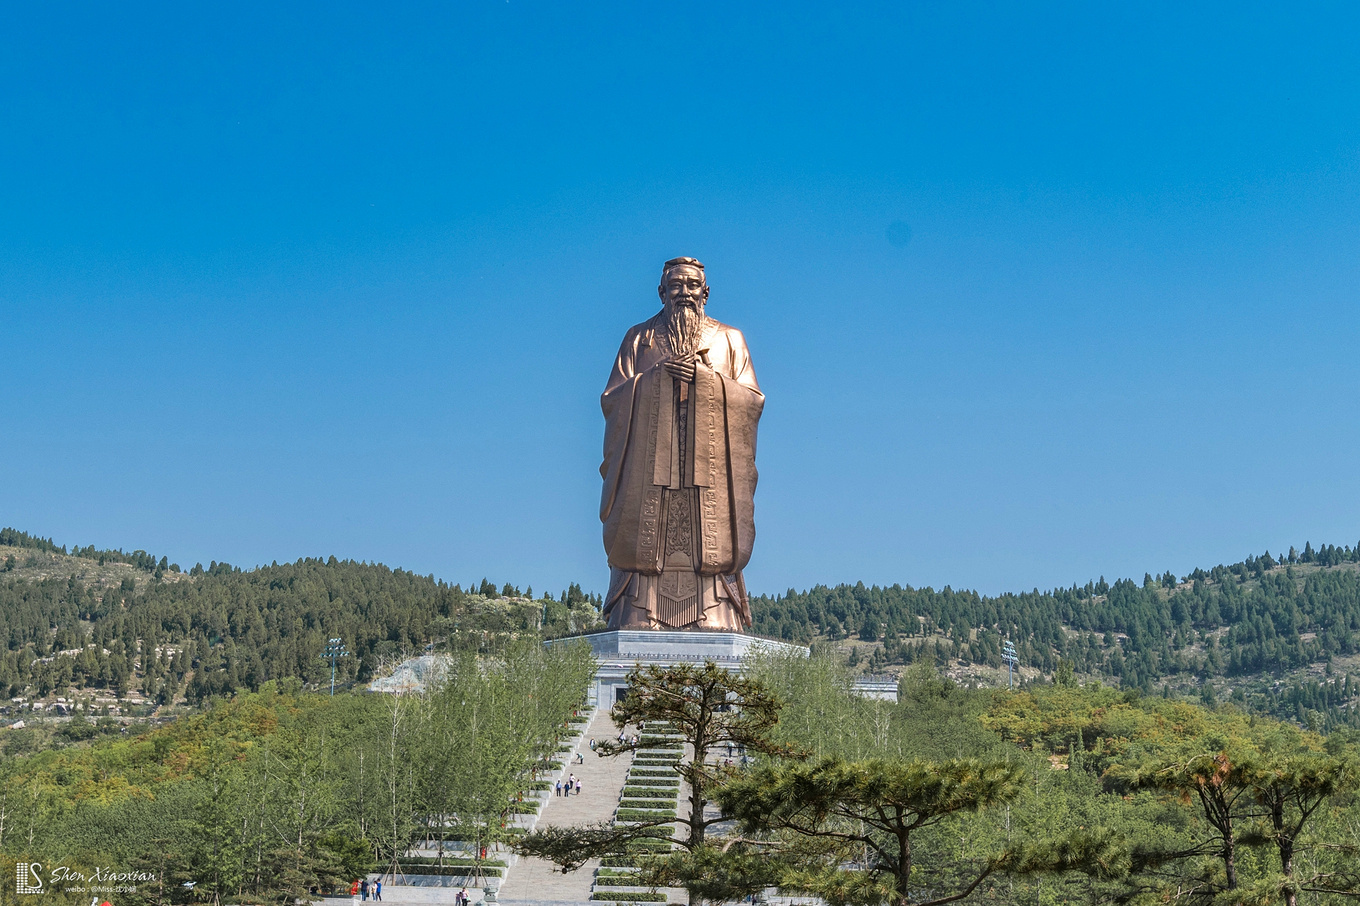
[363, 888]
[564, 788]
[462, 898]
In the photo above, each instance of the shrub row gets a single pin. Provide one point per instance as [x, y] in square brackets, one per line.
[648, 792]
[422, 861]
[618, 882]
[649, 846]
[618, 862]
[624, 896]
[451, 871]
[641, 814]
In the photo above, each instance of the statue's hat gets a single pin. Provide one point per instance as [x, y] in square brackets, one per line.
[681, 262]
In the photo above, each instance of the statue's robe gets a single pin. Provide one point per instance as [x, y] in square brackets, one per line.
[679, 481]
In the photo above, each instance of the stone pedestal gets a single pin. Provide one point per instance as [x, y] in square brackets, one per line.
[620, 650]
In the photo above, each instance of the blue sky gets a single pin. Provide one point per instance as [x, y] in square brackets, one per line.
[1036, 292]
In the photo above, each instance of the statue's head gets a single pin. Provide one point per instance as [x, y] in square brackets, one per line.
[683, 283]
[684, 293]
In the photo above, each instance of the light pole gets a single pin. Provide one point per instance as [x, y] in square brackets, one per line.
[334, 649]
[1012, 661]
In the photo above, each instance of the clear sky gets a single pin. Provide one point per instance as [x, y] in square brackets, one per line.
[1036, 292]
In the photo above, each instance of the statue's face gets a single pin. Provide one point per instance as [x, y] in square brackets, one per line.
[684, 286]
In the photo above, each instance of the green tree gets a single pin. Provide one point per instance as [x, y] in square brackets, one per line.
[864, 812]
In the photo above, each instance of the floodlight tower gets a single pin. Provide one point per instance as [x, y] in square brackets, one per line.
[1012, 661]
[334, 649]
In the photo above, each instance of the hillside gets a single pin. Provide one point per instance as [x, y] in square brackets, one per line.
[129, 633]
[111, 633]
[1277, 633]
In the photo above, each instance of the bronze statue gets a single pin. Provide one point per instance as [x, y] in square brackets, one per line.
[679, 468]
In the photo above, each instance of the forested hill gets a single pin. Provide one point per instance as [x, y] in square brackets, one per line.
[1279, 633]
[1295, 615]
[136, 626]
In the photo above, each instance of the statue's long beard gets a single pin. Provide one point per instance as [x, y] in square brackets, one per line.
[684, 328]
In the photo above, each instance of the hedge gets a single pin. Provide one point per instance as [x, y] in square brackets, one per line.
[625, 881]
[624, 896]
[647, 792]
[641, 814]
[618, 862]
[452, 860]
[657, 783]
[454, 871]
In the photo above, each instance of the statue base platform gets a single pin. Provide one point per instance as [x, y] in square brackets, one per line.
[620, 650]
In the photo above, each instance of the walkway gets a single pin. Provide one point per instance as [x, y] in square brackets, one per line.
[535, 881]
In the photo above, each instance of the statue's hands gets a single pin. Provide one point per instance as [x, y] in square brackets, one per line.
[681, 369]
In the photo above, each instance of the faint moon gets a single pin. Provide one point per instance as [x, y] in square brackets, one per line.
[899, 234]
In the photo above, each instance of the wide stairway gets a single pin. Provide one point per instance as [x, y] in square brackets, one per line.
[531, 881]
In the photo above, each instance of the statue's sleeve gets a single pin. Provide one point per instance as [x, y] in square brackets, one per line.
[617, 404]
[740, 358]
[625, 363]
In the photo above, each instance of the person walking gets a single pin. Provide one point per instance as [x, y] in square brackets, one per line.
[558, 786]
[363, 890]
[377, 889]
[571, 782]
[578, 786]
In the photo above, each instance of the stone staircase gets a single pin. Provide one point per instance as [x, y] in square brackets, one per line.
[650, 777]
[533, 882]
